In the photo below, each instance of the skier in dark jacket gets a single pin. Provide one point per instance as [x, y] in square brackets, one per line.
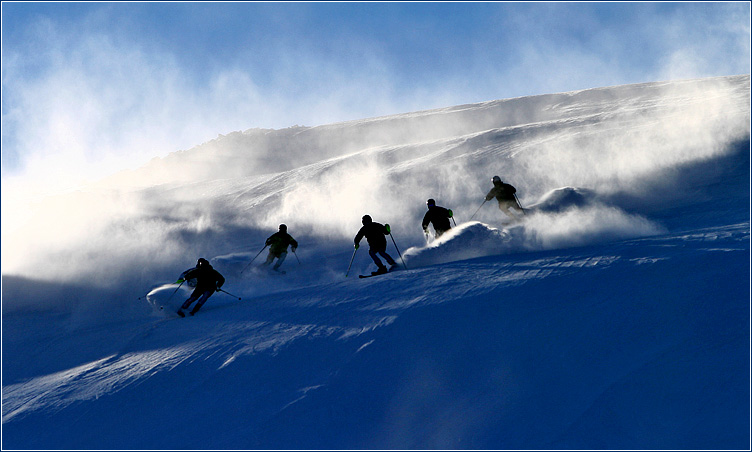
[375, 234]
[504, 194]
[208, 281]
[438, 217]
[278, 243]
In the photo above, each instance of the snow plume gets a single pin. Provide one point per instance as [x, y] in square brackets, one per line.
[615, 141]
[330, 198]
[467, 241]
[391, 183]
[576, 226]
[579, 227]
[563, 218]
[104, 237]
[167, 298]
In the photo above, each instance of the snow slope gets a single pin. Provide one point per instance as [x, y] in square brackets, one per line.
[615, 316]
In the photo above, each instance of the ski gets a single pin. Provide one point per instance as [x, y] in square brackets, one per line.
[393, 269]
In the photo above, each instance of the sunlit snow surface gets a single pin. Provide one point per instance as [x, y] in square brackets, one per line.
[615, 315]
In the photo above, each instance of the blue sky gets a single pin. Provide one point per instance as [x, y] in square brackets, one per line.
[90, 88]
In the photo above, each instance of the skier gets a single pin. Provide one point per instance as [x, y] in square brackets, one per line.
[208, 281]
[375, 234]
[504, 194]
[278, 243]
[438, 217]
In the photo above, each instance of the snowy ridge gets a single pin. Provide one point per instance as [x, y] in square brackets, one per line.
[615, 315]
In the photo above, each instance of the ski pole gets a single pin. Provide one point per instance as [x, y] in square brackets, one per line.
[254, 258]
[398, 251]
[146, 297]
[176, 290]
[476, 212]
[296, 257]
[351, 261]
[173, 293]
[518, 203]
[228, 293]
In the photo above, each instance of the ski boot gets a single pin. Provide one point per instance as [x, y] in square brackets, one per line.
[380, 271]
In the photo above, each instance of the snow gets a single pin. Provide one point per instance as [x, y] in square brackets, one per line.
[615, 315]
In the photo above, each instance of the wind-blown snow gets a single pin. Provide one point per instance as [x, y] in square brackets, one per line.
[614, 316]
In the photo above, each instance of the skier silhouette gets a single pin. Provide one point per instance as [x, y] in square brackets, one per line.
[505, 195]
[278, 243]
[375, 234]
[438, 217]
[208, 281]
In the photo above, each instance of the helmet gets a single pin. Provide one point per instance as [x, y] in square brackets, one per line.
[367, 220]
[496, 180]
[283, 227]
[201, 262]
[430, 203]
